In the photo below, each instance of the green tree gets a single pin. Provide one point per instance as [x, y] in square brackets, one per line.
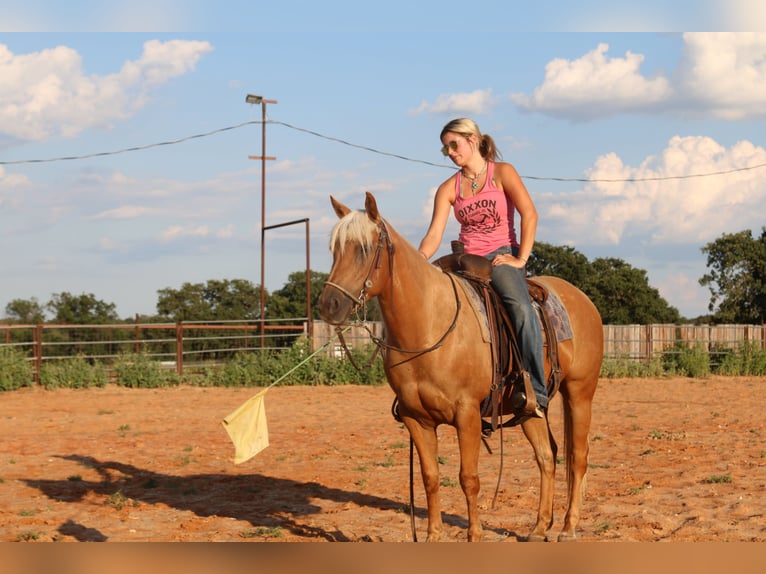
[623, 295]
[621, 292]
[28, 311]
[290, 300]
[737, 277]
[83, 309]
[560, 261]
[215, 300]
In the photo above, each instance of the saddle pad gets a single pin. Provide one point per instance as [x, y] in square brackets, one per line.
[477, 304]
[558, 316]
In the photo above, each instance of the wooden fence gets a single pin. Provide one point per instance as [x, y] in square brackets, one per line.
[635, 342]
[644, 342]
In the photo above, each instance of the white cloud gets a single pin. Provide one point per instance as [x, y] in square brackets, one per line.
[725, 74]
[47, 93]
[721, 73]
[180, 231]
[667, 207]
[126, 212]
[594, 85]
[476, 102]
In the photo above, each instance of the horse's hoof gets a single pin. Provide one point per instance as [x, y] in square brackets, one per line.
[536, 538]
[567, 537]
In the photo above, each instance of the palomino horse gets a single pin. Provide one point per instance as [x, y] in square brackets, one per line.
[440, 368]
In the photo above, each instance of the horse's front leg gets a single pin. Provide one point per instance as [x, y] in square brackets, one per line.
[425, 440]
[538, 434]
[469, 438]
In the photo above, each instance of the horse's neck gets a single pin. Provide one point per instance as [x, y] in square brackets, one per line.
[416, 287]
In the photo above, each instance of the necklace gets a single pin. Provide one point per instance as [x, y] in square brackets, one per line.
[474, 182]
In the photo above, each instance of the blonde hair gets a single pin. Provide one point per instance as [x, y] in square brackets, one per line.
[466, 127]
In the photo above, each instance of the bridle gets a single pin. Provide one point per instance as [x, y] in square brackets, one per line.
[384, 242]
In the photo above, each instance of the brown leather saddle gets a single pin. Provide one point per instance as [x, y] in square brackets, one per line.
[509, 377]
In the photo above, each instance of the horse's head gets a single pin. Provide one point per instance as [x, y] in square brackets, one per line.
[359, 244]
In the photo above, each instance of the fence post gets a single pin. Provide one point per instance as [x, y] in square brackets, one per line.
[179, 349]
[138, 336]
[38, 351]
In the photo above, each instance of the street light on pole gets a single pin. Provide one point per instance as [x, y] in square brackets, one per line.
[253, 99]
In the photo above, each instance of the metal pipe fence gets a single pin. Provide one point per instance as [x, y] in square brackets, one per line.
[182, 346]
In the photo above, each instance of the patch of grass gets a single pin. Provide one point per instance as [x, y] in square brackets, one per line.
[389, 462]
[448, 482]
[603, 527]
[399, 445]
[27, 512]
[117, 500]
[640, 489]
[262, 532]
[362, 468]
[74, 478]
[28, 535]
[105, 412]
[441, 460]
[594, 465]
[185, 460]
[647, 452]
[151, 483]
[123, 429]
[361, 483]
[719, 479]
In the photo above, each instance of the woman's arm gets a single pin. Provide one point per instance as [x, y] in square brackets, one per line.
[516, 191]
[443, 201]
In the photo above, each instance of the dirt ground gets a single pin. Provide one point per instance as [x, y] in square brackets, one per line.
[671, 460]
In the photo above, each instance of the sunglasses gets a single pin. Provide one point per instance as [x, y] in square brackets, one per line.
[451, 146]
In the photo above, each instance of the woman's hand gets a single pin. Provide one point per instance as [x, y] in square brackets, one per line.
[508, 259]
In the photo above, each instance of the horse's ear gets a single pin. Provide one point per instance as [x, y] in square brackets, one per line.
[371, 207]
[340, 209]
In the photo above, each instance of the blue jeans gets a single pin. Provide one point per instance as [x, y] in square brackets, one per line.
[511, 284]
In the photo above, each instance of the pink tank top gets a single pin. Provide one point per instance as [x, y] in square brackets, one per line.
[486, 219]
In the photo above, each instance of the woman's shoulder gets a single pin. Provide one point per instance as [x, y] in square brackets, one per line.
[503, 167]
[447, 188]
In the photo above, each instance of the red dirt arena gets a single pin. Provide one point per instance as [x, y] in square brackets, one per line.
[671, 460]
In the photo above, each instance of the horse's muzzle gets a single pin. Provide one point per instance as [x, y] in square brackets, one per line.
[334, 306]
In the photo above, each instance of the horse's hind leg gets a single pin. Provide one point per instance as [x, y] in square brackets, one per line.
[425, 440]
[538, 434]
[577, 419]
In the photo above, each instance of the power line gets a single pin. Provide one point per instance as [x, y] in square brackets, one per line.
[365, 148]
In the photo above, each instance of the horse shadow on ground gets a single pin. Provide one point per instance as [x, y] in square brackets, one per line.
[282, 505]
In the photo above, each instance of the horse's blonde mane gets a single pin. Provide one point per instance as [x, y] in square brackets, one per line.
[354, 226]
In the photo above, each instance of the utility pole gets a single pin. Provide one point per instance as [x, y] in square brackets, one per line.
[253, 99]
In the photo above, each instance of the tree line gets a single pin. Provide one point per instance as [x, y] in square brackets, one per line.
[736, 279]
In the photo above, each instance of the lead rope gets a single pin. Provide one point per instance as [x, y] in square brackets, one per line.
[412, 491]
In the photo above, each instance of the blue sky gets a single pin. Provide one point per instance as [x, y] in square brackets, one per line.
[585, 95]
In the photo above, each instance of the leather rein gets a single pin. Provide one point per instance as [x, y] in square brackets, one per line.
[384, 243]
